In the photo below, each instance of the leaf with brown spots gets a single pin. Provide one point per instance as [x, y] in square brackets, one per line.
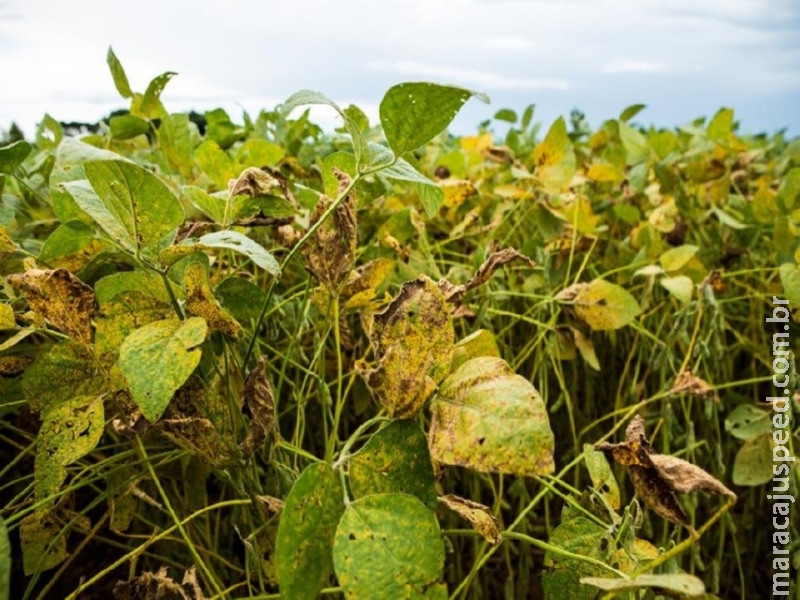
[61, 298]
[331, 251]
[413, 345]
[159, 586]
[200, 302]
[481, 518]
[657, 478]
[259, 404]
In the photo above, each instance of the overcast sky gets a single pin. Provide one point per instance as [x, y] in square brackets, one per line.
[683, 58]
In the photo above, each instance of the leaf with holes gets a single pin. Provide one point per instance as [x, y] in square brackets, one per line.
[395, 459]
[304, 544]
[158, 358]
[389, 546]
[488, 418]
[413, 113]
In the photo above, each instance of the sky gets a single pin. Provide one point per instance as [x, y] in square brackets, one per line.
[682, 58]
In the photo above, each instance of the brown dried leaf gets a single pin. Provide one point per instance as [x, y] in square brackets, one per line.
[686, 383]
[259, 404]
[253, 182]
[453, 293]
[413, 346]
[61, 298]
[657, 478]
[158, 586]
[479, 516]
[330, 253]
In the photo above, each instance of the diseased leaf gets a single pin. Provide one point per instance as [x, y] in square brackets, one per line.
[603, 479]
[69, 238]
[158, 358]
[601, 304]
[479, 516]
[43, 545]
[200, 302]
[394, 460]
[679, 583]
[746, 422]
[304, 544]
[61, 298]
[656, 477]
[496, 260]
[151, 106]
[413, 347]
[7, 320]
[330, 252]
[259, 405]
[72, 366]
[388, 546]
[159, 586]
[686, 383]
[488, 418]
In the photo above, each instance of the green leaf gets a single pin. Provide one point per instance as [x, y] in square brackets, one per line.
[259, 153]
[158, 358]
[602, 476]
[746, 422]
[233, 240]
[11, 156]
[679, 286]
[136, 208]
[604, 305]
[118, 73]
[151, 106]
[413, 113]
[675, 259]
[720, 127]
[753, 463]
[304, 544]
[489, 419]
[480, 342]
[679, 583]
[210, 205]
[631, 111]
[126, 127]
[635, 143]
[67, 239]
[69, 431]
[241, 297]
[175, 140]
[215, 163]
[389, 546]
[789, 188]
[352, 121]
[790, 279]
[431, 195]
[5, 562]
[395, 460]
[507, 115]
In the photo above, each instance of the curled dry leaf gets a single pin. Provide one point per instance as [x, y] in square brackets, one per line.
[453, 293]
[686, 383]
[159, 586]
[658, 477]
[259, 405]
[479, 516]
[61, 298]
[413, 345]
[330, 253]
[253, 182]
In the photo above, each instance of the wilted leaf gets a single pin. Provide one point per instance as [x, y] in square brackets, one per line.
[330, 253]
[686, 383]
[488, 418]
[453, 293]
[657, 477]
[413, 346]
[679, 583]
[601, 304]
[159, 586]
[481, 518]
[388, 546]
[304, 543]
[158, 358]
[200, 302]
[259, 404]
[59, 297]
[395, 459]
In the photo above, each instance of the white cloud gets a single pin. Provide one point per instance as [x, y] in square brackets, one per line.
[624, 65]
[507, 43]
[490, 81]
